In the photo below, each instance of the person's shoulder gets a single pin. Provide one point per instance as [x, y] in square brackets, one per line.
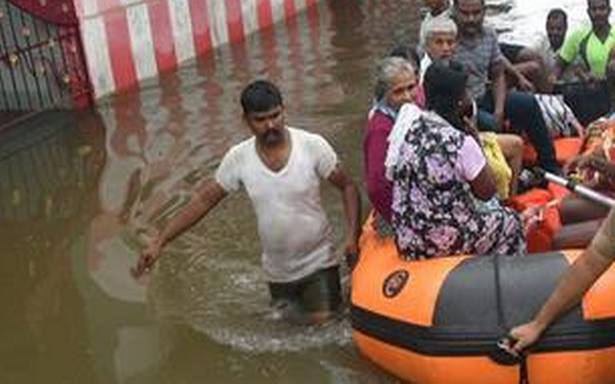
[305, 137]
[313, 145]
[409, 111]
[459, 136]
[579, 33]
[542, 42]
[379, 121]
[234, 163]
[243, 145]
[443, 126]
[301, 133]
[432, 118]
[489, 32]
[241, 149]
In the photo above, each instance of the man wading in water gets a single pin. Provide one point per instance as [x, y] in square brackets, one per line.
[281, 168]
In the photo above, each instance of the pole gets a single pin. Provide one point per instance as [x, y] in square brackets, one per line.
[579, 189]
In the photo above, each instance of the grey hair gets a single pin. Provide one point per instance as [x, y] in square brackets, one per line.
[439, 25]
[388, 68]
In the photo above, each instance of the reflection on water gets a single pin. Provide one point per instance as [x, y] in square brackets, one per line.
[44, 330]
[78, 192]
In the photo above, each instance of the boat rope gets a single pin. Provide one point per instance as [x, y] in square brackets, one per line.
[498, 294]
[502, 323]
[523, 372]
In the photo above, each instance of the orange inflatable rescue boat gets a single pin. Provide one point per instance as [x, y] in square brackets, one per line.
[438, 321]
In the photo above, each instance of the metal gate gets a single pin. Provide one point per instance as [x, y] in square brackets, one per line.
[42, 64]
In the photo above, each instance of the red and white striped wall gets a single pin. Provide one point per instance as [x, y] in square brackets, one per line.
[127, 41]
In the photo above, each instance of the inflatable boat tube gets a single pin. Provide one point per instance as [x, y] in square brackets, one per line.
[566, 149]
[438, 321]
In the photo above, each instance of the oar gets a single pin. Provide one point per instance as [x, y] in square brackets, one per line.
[577, 188]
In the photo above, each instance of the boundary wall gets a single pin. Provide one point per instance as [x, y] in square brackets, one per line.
[127, 41]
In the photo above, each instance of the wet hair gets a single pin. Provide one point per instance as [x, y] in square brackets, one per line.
[406, 52]
[260, 96]
[439, 25]
[445, 86]
[558, 12]
[389, 68]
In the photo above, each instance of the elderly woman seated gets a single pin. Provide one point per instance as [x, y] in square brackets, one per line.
[395, 86]
[443, 188]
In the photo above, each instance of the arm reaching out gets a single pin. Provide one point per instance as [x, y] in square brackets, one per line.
[206, 197]
[522, 81]
[575, 282]
[499, 93]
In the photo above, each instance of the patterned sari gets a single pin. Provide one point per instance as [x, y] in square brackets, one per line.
[434, 210]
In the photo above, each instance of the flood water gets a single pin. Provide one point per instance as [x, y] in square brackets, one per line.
[79, 191]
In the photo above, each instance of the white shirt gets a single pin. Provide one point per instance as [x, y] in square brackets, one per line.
[549, 56]
[425, 63]
[295, 234]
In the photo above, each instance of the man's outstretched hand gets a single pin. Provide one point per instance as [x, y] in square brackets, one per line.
[148, 258]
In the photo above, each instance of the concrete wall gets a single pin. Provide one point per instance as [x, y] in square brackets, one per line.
[126, 41]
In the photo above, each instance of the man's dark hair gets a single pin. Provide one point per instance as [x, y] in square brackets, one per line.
[456, 3]
[558, 12]
[260, 96]
[608, 2]
[445, 86]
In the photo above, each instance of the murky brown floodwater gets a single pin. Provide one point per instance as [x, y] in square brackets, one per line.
[78, 190]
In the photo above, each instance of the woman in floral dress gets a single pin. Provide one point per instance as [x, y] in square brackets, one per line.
[444, 199]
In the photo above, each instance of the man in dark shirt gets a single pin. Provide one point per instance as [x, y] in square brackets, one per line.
[480, 55]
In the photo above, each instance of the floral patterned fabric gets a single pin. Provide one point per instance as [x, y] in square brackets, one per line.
[434, 211]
